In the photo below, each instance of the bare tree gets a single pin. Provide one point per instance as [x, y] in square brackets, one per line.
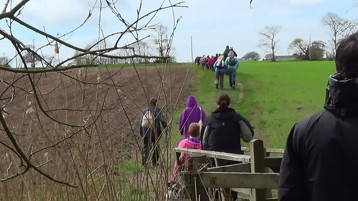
[339, 27]
[300, 47]
[4, 61]
[143, 48]
[251, 56]
[46, 137]
[163, 42]
[305, 51]
[269, 40]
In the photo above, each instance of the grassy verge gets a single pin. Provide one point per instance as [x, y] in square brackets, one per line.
[278, 94]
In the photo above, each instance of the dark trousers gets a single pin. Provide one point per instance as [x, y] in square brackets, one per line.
[150, 146]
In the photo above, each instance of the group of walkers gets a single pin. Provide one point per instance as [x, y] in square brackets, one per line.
[320, 159]
[221, 131]
[206, 62]
[223, 64]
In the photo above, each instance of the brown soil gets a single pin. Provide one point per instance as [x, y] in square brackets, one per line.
[85, 117]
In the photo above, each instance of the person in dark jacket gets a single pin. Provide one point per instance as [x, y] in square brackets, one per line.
[152, 134]
[223, 131]
[320, 159]
[226, 52]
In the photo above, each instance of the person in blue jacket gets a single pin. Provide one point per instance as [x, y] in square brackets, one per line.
[232, 63]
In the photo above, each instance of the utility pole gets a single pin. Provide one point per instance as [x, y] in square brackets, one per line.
[191, 49]
[309, 47]
[32, 54]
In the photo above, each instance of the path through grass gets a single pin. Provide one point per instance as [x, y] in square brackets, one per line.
[276, 94]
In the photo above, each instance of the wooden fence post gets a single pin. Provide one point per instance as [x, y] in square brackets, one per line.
[195, 190]
[257, 153]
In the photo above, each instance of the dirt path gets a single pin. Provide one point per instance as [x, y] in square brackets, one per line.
[241, 91]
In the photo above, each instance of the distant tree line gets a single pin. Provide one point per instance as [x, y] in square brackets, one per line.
[306, 49]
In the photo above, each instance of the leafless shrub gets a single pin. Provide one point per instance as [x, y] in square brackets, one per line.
[63, 141]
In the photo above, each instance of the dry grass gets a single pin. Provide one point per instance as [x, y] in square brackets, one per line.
[86, 143]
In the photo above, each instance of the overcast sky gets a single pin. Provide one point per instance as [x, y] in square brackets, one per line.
[209, 25]
[212, 26]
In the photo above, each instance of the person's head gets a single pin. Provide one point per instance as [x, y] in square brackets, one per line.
[153, 102]
[231, 53]
[223, 101]
[347, 57]
[231, 48]
[194, 130]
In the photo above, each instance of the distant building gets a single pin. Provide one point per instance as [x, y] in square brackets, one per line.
[285, 58]
[281, 58]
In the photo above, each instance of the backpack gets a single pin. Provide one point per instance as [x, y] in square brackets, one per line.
[220, 63]
[224, 133]
[232, 61]
[201, 120]
[147, 119]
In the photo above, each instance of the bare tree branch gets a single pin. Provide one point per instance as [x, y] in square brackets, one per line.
[269, 40]
[56, 137]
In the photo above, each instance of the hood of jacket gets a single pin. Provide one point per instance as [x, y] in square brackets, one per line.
[191, 102]
[223, 113]
[192, 143]
[342, 96]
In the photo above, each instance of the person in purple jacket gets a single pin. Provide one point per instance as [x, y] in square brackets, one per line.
[192, 113]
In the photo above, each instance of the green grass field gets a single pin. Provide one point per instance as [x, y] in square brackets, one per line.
[276, 94]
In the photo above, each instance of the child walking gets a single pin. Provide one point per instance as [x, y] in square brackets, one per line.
[192, 142]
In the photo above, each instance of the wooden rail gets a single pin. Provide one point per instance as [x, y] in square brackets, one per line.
[257, 171]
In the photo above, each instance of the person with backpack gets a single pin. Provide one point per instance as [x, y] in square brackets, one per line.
[192, 113]
[232, 63]
[220, 70]
[223, 131]
[151, 129]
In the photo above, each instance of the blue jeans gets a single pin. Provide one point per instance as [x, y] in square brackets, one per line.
[232, 76]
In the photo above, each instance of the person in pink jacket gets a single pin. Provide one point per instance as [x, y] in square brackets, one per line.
[192, 142]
